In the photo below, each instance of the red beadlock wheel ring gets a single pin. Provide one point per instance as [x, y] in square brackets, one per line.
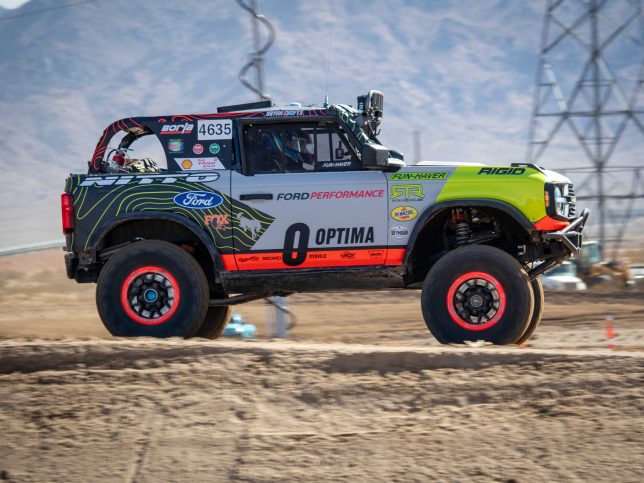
[473, 276]
[141, 272]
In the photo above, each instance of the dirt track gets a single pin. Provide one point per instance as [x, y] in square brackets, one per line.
[203, 411]
[364, 393]
[37, 300]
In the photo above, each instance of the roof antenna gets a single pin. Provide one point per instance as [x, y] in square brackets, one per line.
[257, 57]
[328, 59]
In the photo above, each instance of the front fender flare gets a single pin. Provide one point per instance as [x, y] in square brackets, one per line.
[431, 212]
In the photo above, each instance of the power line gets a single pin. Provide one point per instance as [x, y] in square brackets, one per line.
[43, 10]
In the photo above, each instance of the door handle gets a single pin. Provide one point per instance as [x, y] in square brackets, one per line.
[256, 196]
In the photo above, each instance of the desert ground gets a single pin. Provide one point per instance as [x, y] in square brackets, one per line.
[360, 391]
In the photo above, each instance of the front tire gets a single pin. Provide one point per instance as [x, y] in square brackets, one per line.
[537, 313]
[152, 288]
[477, 293]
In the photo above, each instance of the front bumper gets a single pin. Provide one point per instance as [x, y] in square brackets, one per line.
[568, 242]
[570, 237]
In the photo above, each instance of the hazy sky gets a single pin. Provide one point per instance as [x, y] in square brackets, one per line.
[12, 3]
[460, 72]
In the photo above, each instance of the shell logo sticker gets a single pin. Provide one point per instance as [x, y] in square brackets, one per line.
[404, 213]
[186, 164]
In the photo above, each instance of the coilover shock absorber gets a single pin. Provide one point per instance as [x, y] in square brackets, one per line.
[461, 227]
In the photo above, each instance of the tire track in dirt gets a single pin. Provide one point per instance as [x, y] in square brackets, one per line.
[148, 410]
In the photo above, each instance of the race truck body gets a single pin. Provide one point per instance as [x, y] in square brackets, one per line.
[259, 200]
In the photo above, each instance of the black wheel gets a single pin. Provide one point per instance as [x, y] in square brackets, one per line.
[537, 313]
[152, 288]
[477, 293]
[215, 322]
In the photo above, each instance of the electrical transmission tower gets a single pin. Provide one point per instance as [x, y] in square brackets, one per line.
[589, 80]
[257, 57]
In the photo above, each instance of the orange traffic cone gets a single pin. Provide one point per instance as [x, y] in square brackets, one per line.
[610, 332]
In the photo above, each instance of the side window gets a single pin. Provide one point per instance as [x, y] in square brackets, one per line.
[127, 152]
[298, 148]
[149, 147]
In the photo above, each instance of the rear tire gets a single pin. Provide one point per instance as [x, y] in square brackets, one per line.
[477, 293]
[215, 322]
[152, 288]
[537, 313]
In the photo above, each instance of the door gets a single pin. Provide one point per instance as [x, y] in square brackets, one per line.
[305, 201]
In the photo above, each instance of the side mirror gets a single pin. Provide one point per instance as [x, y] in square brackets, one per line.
[374, 156]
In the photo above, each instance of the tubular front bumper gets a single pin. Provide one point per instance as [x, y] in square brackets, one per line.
[570, 236]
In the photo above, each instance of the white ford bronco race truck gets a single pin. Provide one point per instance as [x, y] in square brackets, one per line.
[257, 200]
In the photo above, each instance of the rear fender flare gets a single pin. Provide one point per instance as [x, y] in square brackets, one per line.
[195, 229]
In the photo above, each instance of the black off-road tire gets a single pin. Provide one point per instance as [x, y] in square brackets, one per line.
[152, 288]
[481, 282]
[537, 313]
[215, 322]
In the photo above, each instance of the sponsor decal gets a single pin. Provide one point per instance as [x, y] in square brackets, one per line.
[253, 258]
[185, 128]
[335, 164]
[407, 192]
[147, 179]
[376, 253]
[218, 222]
[175, 145]
[198, 200]
[214, 148]
[344, 236]
[284, 113]
[331, 195]
[404, 213]
[214, 129]
[272, 258]
[399, 232]
[293, 196]
[253, 227]
[420, 176]
[348, 255]
[197, 164]
[511, 171]
[317, 255]
[197, 148]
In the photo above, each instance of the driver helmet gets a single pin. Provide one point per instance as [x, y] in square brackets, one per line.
[284, 146]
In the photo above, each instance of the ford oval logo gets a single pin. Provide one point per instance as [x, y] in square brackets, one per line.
[199, 200]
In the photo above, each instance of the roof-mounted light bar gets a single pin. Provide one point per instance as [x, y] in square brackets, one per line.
[246, 107]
